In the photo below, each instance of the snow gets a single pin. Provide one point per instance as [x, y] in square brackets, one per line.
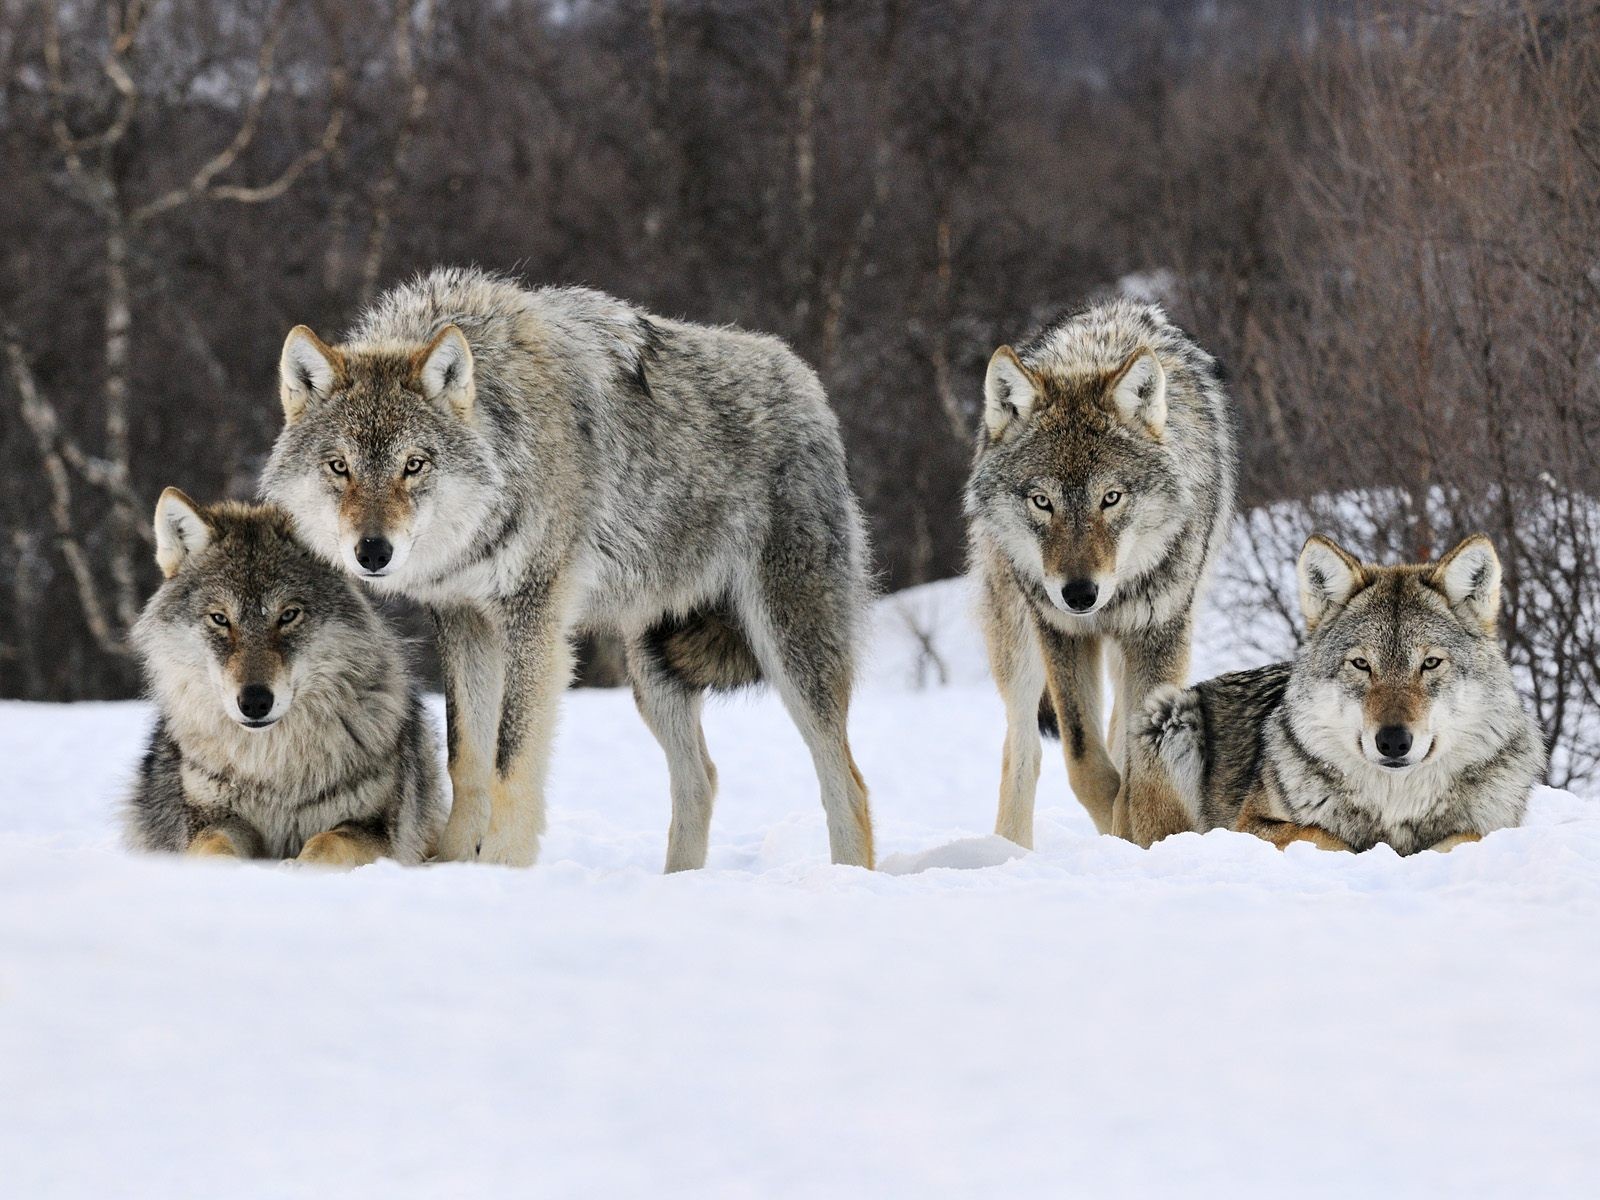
[1210, 1016]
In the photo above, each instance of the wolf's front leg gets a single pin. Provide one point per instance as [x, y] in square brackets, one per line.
[538, 665]
[1460, 839]
[1256, 817]
[1072, 665]
[225, 836]
[1147, 806]
[1018, 670]
[472, 653]
[344, 847]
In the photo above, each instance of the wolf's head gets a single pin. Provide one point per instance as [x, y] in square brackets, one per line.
[380, 460]
[1401, 663]
[1073, 478]
[247, 616]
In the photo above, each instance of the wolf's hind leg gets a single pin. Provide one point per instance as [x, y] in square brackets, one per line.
[1018, 670]
[1072, 666]
[800, 631]
[671, 709]
[1459, 839]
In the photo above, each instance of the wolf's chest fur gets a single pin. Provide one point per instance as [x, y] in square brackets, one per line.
[290, 782]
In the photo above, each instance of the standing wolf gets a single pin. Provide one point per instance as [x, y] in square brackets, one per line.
[1397, 722]
[531, 462]
[286, 724]
[1102, 490]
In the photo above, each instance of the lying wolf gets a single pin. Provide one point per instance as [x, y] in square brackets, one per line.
[1397, 722]
[1100, 493]
[528, 463]
[286, 724]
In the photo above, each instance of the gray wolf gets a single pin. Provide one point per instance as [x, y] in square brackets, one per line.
[532, 462]
[286, 723]
[1101, 491]
[1397, 722]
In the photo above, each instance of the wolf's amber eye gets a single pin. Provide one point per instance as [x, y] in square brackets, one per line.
[1109, 499]
[288, 616]
[1361, 664]
[414, 465]
[219, 619]
[1041, 501]
[1431, 663]
[339, 467]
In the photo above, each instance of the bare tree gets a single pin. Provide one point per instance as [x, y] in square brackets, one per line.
[100, 171]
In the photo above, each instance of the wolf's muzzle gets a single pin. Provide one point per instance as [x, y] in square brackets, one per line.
[255, 701]
[374, 553]
[1393, 742]
[1080, 594]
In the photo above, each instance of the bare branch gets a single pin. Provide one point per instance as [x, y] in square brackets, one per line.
[42, 423]
[202, 185]
[415, 84]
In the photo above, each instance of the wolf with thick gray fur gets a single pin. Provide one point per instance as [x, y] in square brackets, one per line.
[1398, 721]
[1100, 495]
[286, 723]
[533, 462]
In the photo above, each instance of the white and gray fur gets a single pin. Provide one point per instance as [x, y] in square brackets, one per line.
[346, 748]
[1106, 462]
[588, 466]
[1290, 747]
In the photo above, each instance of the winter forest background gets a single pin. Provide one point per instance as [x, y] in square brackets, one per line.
[1384, 218]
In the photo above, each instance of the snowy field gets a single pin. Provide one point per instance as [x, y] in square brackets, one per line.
[1206, 1018]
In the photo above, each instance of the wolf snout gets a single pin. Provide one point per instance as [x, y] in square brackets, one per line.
[374, 553]
[1080, 594]
[255, 701]
[1393, 742]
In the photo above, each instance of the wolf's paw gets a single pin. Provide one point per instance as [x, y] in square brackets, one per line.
[469, 820]
[334, 851]
[213, 843]
[457, 845]
[508, 848]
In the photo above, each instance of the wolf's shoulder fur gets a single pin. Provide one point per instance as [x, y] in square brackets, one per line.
[352, 747]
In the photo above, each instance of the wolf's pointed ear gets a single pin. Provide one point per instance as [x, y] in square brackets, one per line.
[442, 371]
[307, 369]
[1139, 391]
[1010, 393]
[180, 531]
[1469, 577]
[1328, 577]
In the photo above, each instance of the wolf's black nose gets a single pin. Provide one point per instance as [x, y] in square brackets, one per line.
[374, 553]
[1080, 594]
[1394, 741]
[255, 701]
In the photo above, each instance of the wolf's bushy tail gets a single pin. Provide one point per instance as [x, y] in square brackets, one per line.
[1174, 729]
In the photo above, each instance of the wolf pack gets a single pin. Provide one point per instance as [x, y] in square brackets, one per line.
[533, 463]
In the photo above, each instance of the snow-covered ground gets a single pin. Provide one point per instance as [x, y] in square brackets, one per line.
[1209, 1017]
